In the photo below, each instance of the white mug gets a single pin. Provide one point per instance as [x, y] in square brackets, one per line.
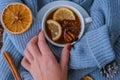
[83, 21]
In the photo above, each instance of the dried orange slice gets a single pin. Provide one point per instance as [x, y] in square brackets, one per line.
[63, 14]
[87, 78]
[16, 18]
[55, 28]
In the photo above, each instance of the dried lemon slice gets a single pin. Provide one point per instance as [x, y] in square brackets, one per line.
[63, 14]
[16, 18]
[55, 28]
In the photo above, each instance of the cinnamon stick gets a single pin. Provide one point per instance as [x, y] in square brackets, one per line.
[12, 66]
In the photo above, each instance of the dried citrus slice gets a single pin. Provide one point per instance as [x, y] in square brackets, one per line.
[16, 18]
[55, 28]
[63, 14]
[87, 78]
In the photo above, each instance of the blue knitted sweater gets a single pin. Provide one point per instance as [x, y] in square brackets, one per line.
[99, 45]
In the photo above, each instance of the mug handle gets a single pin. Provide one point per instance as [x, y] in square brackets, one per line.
[88, 20]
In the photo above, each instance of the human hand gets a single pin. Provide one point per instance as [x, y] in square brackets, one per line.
[41, 63]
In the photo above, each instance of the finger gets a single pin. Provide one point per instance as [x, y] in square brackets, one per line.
[45, 50]
[65, 57]
[25, 63]
[28, 55]
[33, 48]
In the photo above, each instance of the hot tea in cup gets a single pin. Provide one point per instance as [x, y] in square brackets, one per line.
[63, 24]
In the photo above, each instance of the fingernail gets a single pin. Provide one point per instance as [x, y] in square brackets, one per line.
[69, 47]
[39, 31]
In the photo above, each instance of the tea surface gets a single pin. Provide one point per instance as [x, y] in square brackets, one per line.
[70, 28]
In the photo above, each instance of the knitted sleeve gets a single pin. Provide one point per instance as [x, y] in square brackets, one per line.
[94, 49]
[5, 73]
[96, 46]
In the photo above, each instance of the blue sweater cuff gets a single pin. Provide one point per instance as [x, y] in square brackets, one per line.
[99, 46]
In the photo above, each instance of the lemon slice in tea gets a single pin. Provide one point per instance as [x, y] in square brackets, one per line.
[16, 18]
[63, 14]
[55, 28]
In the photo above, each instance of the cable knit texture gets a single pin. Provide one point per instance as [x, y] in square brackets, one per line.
[99, 45]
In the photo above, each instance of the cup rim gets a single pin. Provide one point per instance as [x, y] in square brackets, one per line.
[76, 12]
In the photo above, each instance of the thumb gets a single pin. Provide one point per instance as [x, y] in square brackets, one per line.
[65, 57]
